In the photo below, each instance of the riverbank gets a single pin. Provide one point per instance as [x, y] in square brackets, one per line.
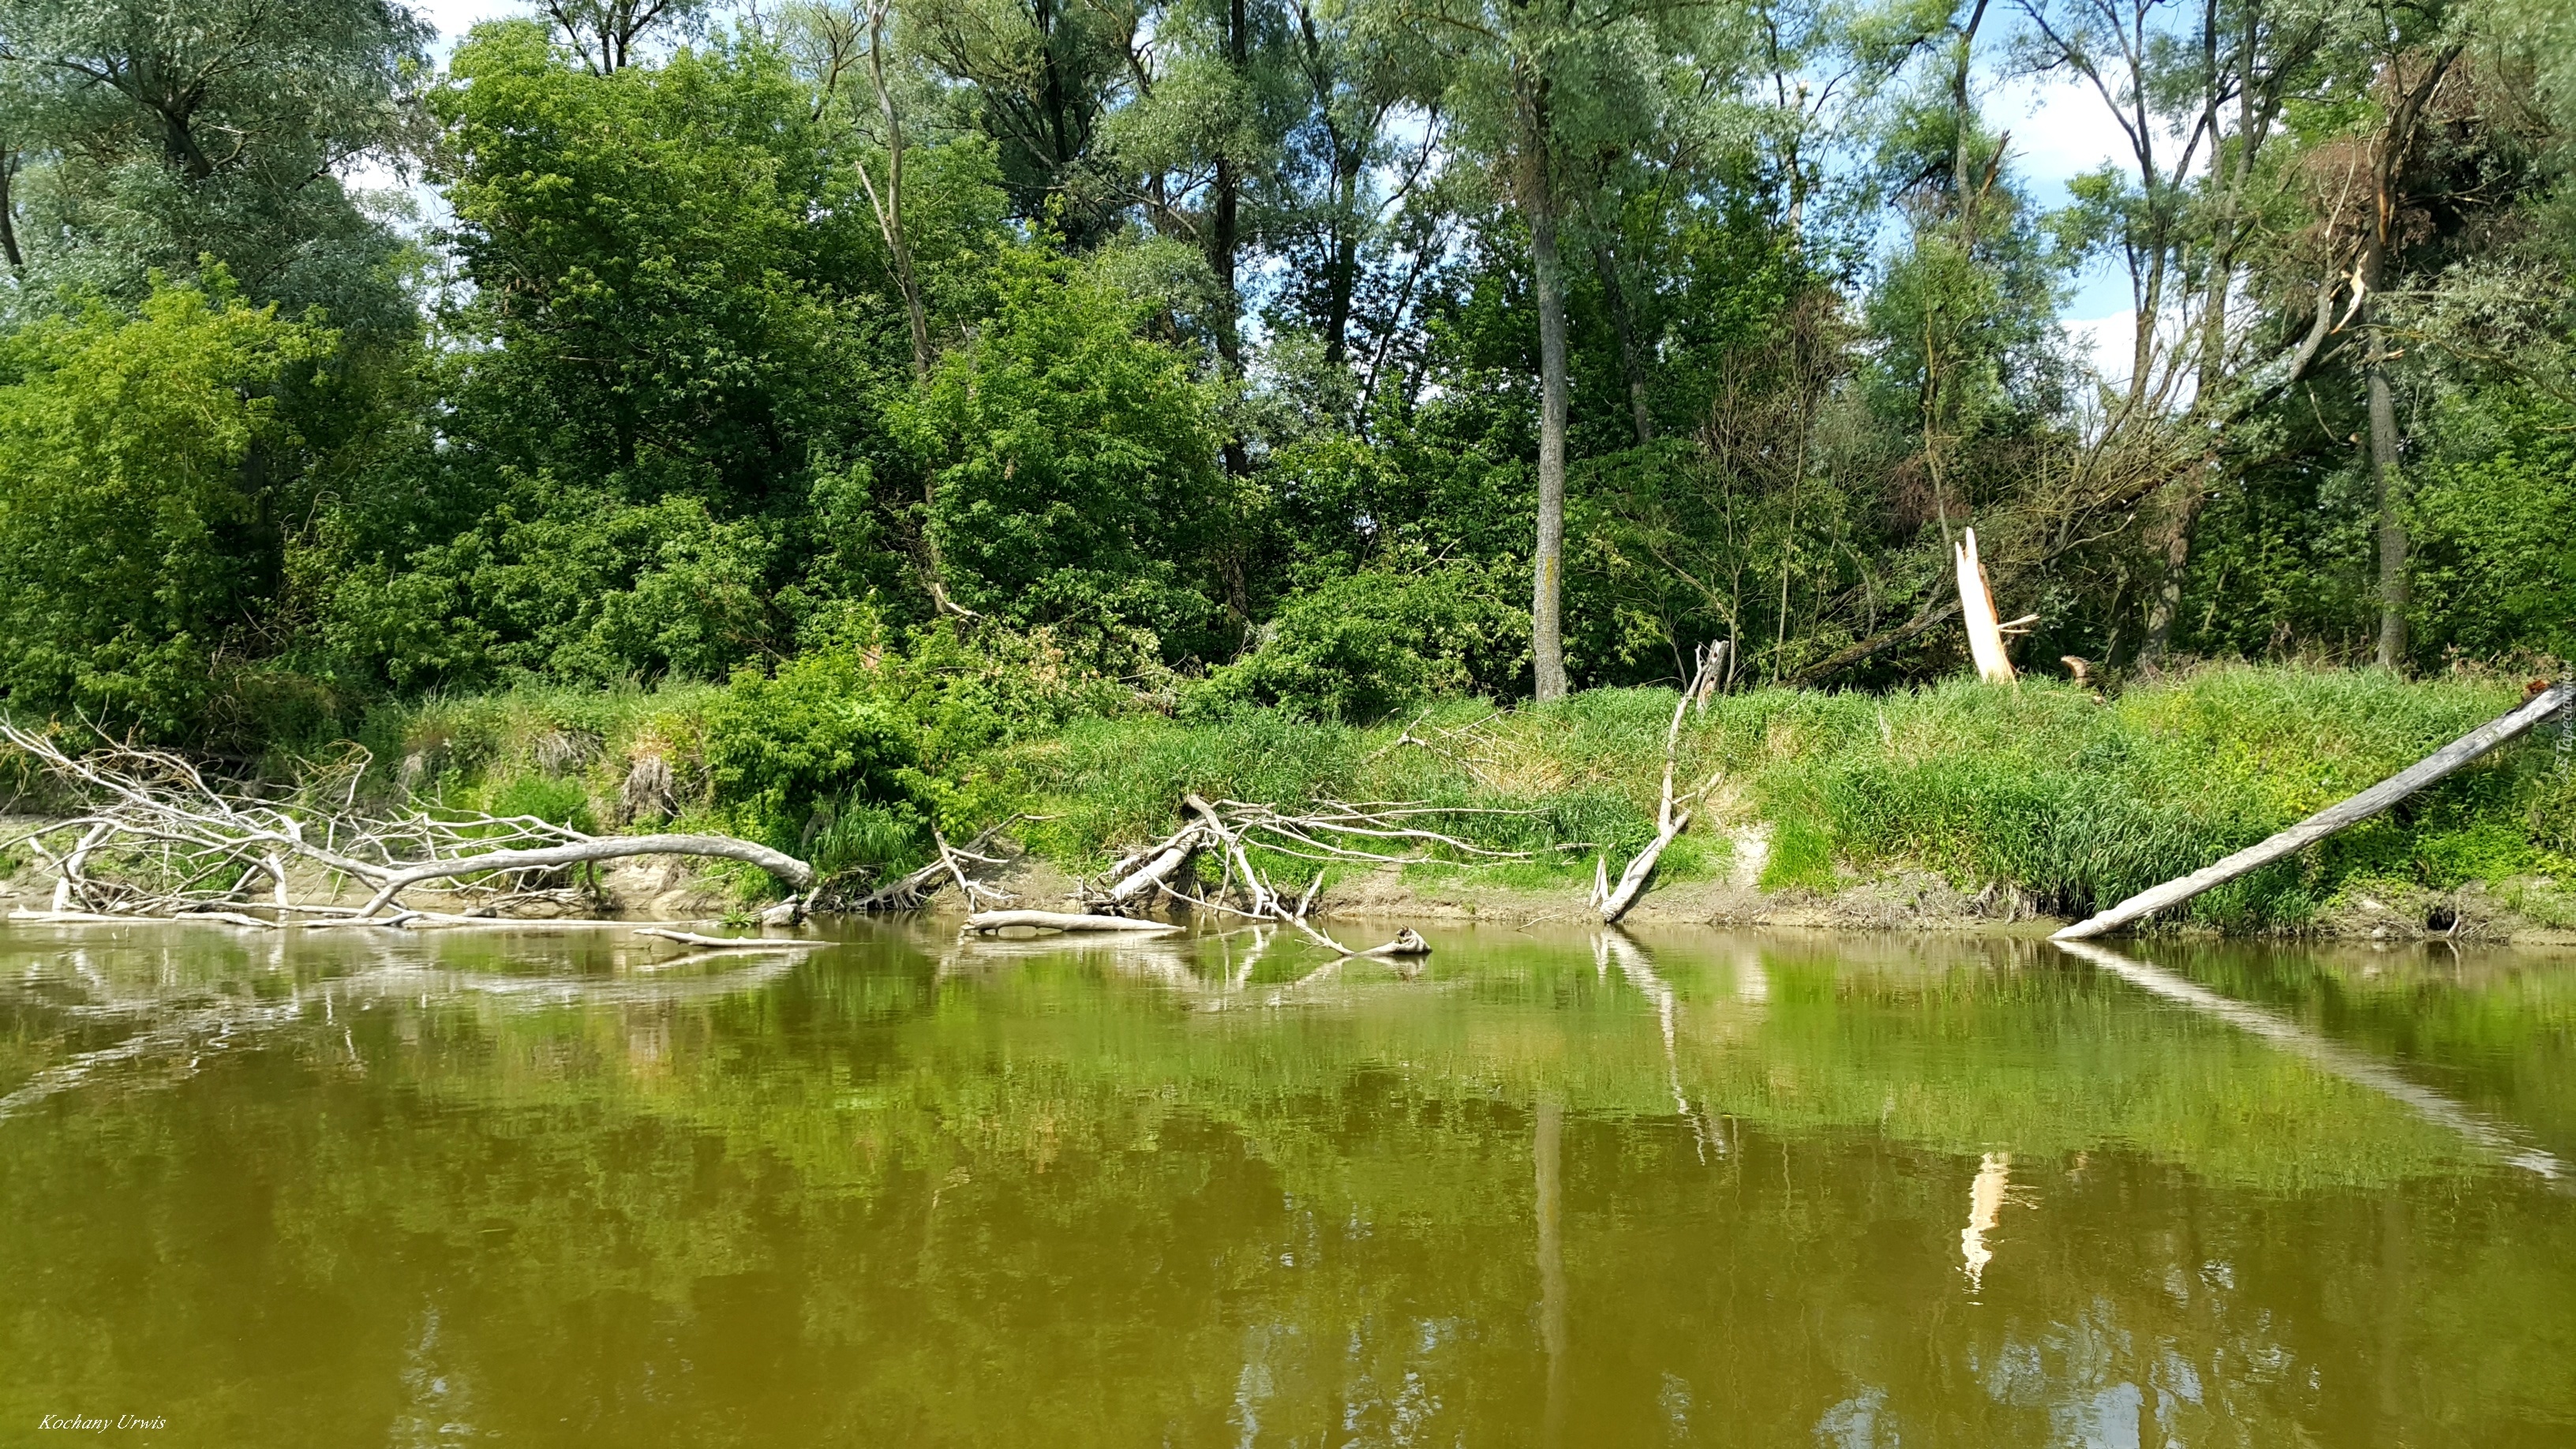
[1955, 807]
[1960, 807]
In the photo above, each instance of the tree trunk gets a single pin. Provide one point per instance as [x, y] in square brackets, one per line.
[1225, 206]
[1632, 360]
[889, 208]
[1538, 207]
[2168, 600]
[1964, 112]
[9, 212]
[2387, 487]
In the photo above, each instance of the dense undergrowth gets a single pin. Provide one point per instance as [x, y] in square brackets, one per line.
[852, 756]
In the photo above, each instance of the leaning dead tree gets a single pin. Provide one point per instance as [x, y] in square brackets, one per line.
[1672, 814]
[2543, 702]
[157, 838]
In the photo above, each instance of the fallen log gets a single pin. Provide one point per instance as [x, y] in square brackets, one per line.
[740, 943]
[2511, 725]
[608, 847]
[984, 921]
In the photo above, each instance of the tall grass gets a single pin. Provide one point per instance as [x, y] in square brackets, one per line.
[2043, 788]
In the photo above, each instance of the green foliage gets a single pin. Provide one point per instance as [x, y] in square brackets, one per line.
[669, 318]
[578, 589]
[156, 136]
[2496, 570]
[558, 802]
[779, 747]
[139, 466]
[1075, 465]
[1364, 646]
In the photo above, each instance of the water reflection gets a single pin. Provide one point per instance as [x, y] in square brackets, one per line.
[1598, 1188]
[1985, 1202]
[2505, 1142]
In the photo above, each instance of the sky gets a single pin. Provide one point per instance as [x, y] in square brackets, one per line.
[2059, 129]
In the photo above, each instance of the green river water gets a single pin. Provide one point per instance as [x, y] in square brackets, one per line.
[1676, 1188]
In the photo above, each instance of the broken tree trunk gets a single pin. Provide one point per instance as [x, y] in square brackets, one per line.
[1977, 607]
[1671, 818]
[2511, 725]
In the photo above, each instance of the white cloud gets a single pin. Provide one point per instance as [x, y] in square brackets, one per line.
[2060, 129]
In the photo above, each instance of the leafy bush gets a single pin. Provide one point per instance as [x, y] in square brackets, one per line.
[1076, 466]
[1364, 646]
[819, 731]
[559, 802]
[568, 585]
[136, 459]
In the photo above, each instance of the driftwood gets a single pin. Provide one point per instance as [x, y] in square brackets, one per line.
[1671, 816]
[1377, 832]
[986, 921]
[908, 892]
[1158, 865]
[2511, 725]
[185, 845]
[739, 943]
[581, 851]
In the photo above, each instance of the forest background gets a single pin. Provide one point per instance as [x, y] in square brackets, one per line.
[853, 404]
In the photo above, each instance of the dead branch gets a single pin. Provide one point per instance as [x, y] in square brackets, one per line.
[180, 844]
[1671, 817]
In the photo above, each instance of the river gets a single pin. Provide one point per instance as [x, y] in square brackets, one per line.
[1550, 1188]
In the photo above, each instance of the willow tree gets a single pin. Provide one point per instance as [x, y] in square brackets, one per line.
[148, 134]
[1534, 84]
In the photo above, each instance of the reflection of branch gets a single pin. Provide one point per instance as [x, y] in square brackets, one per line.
[2336, 1058]
[1614, 945]
[182, 1039]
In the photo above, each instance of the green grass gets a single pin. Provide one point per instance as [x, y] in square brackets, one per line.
[2044, 788]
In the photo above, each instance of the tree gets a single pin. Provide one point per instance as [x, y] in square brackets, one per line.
[1075, 468]
[664, 262]
[1533, 81]
[141, 467]
[151, 135]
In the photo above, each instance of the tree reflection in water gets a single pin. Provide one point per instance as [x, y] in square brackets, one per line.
[1604, 1189]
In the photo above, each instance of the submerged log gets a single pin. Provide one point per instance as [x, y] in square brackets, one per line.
[743, 943]
[983, 921]
[2511, 725]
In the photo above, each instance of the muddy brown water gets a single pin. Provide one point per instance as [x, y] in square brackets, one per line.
[1675, 1188]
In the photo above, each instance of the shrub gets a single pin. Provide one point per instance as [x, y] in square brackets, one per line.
[1362, 647]
[820, 730]
[134, 459]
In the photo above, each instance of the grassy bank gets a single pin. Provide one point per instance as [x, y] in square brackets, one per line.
[2070, 799]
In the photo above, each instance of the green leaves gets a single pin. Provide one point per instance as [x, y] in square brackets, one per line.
[1074, 466]
[137, 527]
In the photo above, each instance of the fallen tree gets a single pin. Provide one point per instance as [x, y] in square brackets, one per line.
[158, 839]
[2513, 724]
